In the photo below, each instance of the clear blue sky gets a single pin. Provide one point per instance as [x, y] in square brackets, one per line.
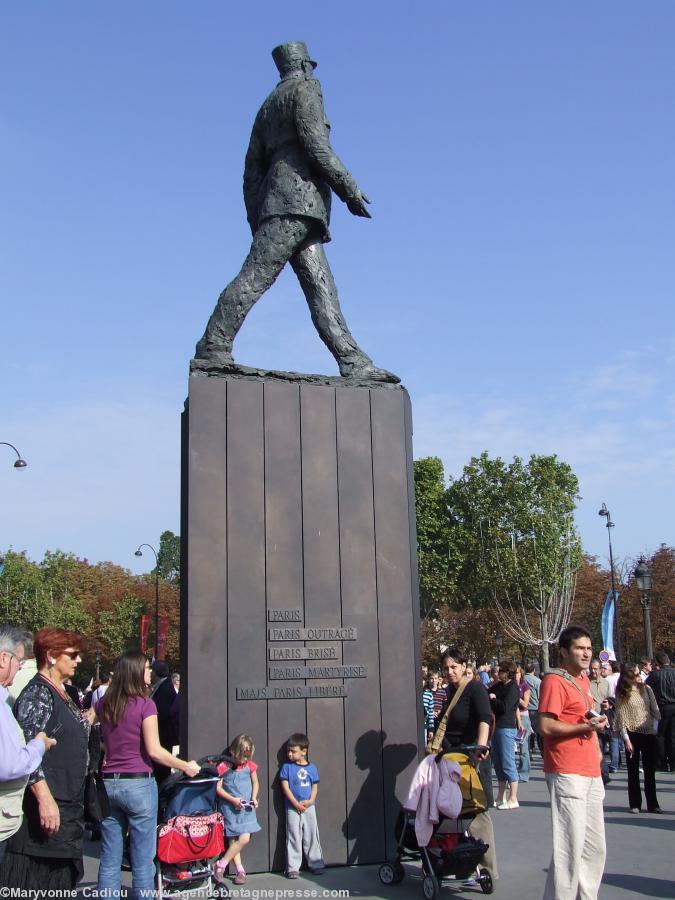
[518, 272]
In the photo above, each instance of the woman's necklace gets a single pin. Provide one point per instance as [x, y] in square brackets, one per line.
[63, 694]
[60, 690]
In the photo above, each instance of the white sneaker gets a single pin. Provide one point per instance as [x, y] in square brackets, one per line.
[508, 804]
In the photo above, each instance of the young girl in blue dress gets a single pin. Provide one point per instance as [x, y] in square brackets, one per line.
[237, 801]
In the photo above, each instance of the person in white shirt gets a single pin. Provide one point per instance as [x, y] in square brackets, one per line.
[610, 671]
[18, 759]
[101, 689]
[645, 668]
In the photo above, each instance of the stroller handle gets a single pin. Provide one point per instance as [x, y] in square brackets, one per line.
[468, 749]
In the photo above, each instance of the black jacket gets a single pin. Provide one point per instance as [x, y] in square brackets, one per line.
[662, 682]
[291, 167]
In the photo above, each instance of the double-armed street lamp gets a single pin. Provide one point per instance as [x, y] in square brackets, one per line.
[604, 512]
[139, 552]
[643, 579]
[19, 463]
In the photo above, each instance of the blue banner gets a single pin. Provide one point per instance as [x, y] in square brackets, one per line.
[607, 622]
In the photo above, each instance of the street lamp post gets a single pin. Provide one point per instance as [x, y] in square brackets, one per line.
[139, 552]
[19, 463]
[603, 511]
[643, 578]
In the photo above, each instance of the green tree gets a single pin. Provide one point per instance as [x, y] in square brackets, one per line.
[120, 626]
[168, 557]
[102, 602]
[513, 533]
[35, 596]
[433, 534]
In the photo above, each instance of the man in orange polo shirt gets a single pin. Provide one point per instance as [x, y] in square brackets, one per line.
[572, 766]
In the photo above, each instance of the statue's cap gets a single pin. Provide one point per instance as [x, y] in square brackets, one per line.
[291, 55]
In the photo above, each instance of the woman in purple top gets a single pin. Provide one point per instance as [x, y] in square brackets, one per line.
[131, 739]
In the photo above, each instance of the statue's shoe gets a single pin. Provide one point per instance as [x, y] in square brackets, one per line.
[370, 372]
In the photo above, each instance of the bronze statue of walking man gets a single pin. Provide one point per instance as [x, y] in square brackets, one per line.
[289, 173]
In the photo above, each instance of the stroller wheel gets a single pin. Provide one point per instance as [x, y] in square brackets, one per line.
[485, 881]
[430, 887]
[399, 872]
[387, 874]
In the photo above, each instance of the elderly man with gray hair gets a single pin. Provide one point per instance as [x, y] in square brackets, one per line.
[17, 759]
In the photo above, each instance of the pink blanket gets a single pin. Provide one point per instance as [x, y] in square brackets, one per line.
[434, 791]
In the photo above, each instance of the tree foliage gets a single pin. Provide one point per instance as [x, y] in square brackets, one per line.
[168, 557]
[501, 538]
[120, 625]
[433, 534]
[102, 602]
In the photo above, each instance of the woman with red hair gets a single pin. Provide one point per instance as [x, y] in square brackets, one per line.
[46, 852]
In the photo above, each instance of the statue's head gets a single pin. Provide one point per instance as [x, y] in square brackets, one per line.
[293, 57]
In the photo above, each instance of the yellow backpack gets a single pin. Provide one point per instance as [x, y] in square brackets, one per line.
[474, 800]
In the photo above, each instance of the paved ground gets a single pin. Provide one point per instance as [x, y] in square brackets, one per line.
[641, 850]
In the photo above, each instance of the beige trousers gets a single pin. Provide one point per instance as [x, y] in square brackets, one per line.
[577, 816]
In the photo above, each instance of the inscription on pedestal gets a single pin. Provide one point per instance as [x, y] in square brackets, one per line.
[277, 654]
[272, 692]
[302, 673]
[284, 615]
[292, 673]
[347, 633]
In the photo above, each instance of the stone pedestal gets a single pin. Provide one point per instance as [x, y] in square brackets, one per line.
[299, 596]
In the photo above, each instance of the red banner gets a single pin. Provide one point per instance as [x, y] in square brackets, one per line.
[145, 630]
[162, 636]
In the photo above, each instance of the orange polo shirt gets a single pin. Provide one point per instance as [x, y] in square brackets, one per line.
[578, 754]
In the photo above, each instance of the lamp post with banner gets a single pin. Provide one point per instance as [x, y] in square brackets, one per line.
[604, 512]
[139, 552]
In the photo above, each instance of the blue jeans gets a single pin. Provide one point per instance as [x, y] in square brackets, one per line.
[615, 744]
[133, 806]
[504, 754]
[524, 767]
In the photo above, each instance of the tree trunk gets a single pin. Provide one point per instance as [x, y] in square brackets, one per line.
[543, 622]
[543, 660]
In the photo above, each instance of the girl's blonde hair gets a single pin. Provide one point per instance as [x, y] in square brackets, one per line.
[242, 748]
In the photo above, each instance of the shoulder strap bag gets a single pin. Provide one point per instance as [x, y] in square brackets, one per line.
[563, 673]
[437, 741]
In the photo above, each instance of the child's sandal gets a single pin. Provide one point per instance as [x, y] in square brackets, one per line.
[219, 873]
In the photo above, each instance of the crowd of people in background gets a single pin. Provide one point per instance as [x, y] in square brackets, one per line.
[513, 694]
[54, 736]
[124, 728]
[647, 692]
[512, 713]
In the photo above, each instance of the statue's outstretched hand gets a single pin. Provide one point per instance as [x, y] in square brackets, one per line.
[357, 205]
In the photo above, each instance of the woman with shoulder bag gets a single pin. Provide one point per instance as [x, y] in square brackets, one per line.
[635, 719]
[130, 736]
[465, 720]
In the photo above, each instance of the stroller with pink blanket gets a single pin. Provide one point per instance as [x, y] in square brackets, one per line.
[432, 828]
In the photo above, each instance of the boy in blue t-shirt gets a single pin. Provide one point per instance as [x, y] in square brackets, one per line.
[300, 785]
